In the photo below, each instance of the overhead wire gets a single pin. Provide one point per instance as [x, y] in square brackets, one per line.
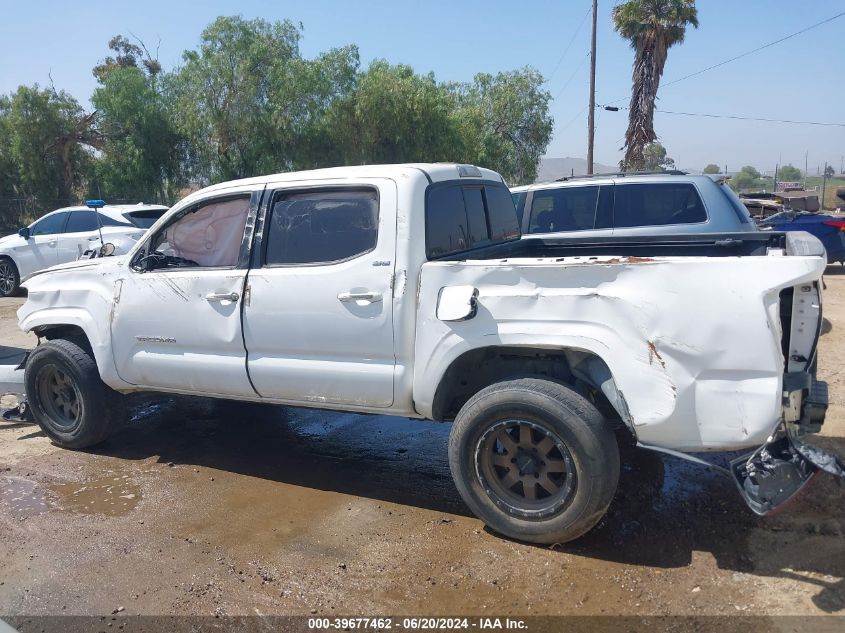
[745, 54]
[568, 46]
[738, 117]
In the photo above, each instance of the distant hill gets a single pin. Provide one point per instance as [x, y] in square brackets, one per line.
[554, 168]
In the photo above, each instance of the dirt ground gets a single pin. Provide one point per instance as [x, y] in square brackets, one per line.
[193, 511]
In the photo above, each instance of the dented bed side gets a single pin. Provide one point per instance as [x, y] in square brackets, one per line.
[693, 344]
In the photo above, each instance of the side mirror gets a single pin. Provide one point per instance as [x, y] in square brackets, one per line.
[107, 250]
[24, 232]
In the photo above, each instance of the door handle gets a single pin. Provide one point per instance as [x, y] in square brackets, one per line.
[51, 243]
[93, 238]
[372, 297]
[223, 296]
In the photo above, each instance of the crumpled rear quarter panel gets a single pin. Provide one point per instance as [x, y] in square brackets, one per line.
[693, 343]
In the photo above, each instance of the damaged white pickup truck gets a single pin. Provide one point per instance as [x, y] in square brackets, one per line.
[407, 290]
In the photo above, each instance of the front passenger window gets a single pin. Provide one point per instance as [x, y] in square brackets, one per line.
[207, 235]
[50, 225]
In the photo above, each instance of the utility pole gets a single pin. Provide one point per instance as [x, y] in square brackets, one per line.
[824, 183]
[591, 118]
[806, 154]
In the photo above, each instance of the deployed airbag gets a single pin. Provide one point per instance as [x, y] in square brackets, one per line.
[211, 236]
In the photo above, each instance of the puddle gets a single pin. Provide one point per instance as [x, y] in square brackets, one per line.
[110, 496]
[24, 497]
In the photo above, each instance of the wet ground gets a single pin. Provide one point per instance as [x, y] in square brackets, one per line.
[198, 508]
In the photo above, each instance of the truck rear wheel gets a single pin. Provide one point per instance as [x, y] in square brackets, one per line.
[67, 398]
[534, 460]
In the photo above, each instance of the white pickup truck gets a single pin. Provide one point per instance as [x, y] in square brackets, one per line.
[406, 290]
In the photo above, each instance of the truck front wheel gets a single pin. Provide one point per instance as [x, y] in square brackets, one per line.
[67, 398]
[534, 460]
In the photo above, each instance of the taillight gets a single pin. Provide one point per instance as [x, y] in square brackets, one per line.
[839, 224]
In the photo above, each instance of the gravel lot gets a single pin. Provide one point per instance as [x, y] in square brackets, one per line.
[190, 511]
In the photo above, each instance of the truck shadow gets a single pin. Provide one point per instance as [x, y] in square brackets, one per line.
[665, 509]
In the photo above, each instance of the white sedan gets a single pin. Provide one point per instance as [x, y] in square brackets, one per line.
[65, 234]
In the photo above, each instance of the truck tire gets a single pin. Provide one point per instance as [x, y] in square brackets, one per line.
[10, 279]
[534, 460]
[67, 398]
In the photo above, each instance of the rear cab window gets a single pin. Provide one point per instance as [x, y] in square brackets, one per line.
[461, 215]
[655, 204]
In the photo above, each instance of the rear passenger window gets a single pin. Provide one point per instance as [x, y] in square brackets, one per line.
[81, 221]
[322, 226]
[564, 209]
[459, 218]
[654, 204]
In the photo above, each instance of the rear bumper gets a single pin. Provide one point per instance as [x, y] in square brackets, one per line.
[777, 471]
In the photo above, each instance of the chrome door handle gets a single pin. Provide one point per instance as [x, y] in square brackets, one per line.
[372, 297]
[52, 243]
[93, 238]
[223, 296]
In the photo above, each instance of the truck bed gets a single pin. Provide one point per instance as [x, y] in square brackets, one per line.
[687, 245]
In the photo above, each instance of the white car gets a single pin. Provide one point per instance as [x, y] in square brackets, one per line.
[65, 234]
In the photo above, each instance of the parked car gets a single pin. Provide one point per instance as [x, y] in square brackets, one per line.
[830, 229]
[631, 204]
[406, 290]
[65, 234]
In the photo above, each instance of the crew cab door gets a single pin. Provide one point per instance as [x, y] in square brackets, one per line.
[177, 319]
[318, 323]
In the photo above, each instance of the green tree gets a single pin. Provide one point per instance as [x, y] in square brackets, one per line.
[654, 156]
[746, 178]
[652, 27]
[48, 140]
[829, 171]
[788, 173]
[712, 168]
[247, 101]
[393, 115]
[127, 55]
[503, 122]
[141, 150]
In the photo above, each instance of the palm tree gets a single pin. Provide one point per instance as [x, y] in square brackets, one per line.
[652, 27]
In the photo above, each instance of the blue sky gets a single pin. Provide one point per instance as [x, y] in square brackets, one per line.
[798, 79]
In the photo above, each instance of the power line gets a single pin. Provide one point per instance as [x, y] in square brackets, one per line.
[752, 118]
[572, 76]
[747, 53]
[573, 119]
[568, 46]
[744, 118]
[758, 49]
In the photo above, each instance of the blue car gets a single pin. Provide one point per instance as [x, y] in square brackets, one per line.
[830, 229]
